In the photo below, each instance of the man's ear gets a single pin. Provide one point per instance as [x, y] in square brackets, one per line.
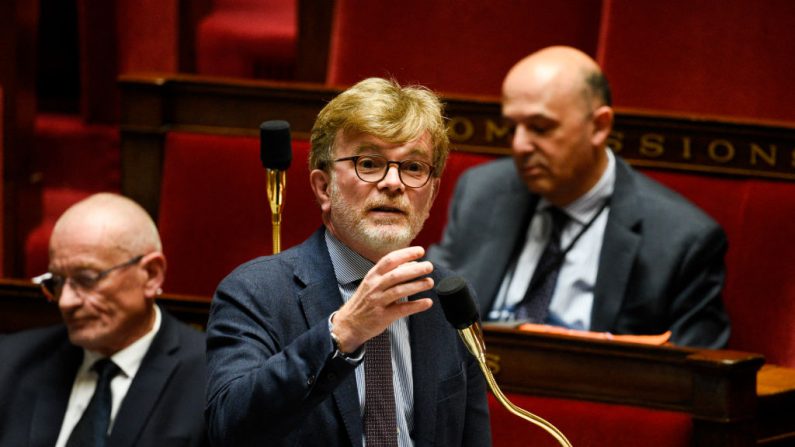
[154, 264]
[436, 182]
[603, 124]
[320, 182]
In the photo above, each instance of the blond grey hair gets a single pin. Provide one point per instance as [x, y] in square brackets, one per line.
[384, 109]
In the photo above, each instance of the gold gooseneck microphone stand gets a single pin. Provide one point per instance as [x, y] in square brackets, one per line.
[460, 310]
[473, 340]
[277, 181]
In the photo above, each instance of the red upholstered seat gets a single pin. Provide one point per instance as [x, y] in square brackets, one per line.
[464, 46]
[588, 424]
[214, 212]
[247, 38]
[762, 300]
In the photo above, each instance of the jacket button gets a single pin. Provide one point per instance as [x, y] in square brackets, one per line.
[311, 380]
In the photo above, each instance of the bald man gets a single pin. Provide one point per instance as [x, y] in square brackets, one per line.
[106, 268]
[568, 234]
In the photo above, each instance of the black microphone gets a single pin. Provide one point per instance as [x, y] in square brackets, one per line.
[275, 152]
[460, 310]
[275, 147]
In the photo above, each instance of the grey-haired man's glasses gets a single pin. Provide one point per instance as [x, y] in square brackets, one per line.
[82, 281]
[373, 169]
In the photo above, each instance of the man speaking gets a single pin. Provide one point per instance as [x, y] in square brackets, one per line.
[340, 341]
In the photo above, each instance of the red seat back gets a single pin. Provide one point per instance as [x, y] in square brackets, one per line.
[588, 424]
[214, 212]
[465, 46]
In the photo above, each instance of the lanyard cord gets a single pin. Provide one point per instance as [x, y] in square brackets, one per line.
[557, 261]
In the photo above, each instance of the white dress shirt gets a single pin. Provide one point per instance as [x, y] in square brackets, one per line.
[128, 360]
[572, 300]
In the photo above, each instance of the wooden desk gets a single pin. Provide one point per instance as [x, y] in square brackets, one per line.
[732, 402]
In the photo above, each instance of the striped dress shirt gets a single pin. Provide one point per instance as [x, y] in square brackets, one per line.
[350, 268]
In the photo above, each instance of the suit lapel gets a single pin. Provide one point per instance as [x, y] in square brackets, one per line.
[52, 395]
[318, 298]
[153, 375]
[425, 356]
[512, 212]
[619, 249]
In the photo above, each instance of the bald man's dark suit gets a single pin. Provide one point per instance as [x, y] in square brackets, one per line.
[661, 265]
[163, 407]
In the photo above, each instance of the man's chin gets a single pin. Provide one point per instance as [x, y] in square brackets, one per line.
[388, 236]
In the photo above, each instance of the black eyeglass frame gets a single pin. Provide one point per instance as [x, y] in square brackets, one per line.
[52, 285]
[355, 159]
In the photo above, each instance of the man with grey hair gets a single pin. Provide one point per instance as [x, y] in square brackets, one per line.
[119, 371]
[341, 341]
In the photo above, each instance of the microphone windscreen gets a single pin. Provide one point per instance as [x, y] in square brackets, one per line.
[275, 149]
[458, 305]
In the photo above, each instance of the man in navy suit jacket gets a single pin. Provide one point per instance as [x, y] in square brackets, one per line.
[106, 268]
[288, 334]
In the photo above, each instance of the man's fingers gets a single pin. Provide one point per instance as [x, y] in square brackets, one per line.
[398, 257]
[407, 308]
[398, 291]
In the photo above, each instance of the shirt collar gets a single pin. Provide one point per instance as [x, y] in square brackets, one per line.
[349, 266]
[584, 208]
[128, 359]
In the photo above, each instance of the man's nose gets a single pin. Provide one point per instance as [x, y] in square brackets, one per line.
[392, 180]
[69, 296]
[523, 140]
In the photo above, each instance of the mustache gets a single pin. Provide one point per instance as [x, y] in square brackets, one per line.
[532, 160]
[399, 203]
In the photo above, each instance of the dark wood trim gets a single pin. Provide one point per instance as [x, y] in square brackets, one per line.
[190, 14]
[154, 104]
[314, 39]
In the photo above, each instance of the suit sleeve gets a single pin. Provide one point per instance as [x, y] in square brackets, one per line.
[699, 317]
[265, 375]
[444, 253]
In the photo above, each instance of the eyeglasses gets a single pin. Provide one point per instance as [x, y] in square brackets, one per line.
[82, 282]
[373, 169]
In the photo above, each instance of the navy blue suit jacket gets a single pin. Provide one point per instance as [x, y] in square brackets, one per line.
[273, 380]
[163, 406]
[661, 265]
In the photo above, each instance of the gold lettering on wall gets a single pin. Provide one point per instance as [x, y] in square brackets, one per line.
[460, 129]
[496, 131]
[768, 157]
[721, 151]
[686, 154]
[651, 145]
[616, 141]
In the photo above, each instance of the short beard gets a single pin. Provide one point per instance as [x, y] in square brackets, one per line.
[377, 238]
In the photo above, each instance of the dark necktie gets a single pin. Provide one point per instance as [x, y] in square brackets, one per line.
[92, 428]
[380, 420]
[535, 304]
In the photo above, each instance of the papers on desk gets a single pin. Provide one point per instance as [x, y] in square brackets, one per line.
[659, 339]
